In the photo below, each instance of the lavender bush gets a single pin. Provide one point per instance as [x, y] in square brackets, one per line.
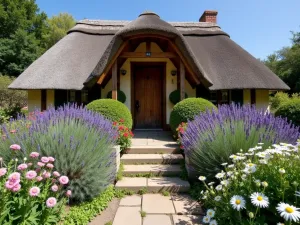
[212, 137]
[80, 140]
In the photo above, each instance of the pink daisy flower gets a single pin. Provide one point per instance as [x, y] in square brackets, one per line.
[15, 147]
[51, 159]
[14, 176]
[39, 178]
[68, 193]
[3, 171]
[54, 188]
[56, 174]
[29, 164]
[44, 159]
[16, 188]
[64, 180]
[22, 166]
[46, 174]
[34, 155]
[49, 165]
[40, 164]
[34, 191]
[51, 202]
[10, 184]
[31, 174]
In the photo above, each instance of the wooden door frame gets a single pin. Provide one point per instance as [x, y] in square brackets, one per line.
[163, 65]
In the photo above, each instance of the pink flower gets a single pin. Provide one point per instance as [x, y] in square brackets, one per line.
[44, 159]
[49, 165]
[16, 188]
[51, 159]
[54, 188]
[64, 180]
[22, 166]
[14, 176]
[10, 184]
[46, 174]
[39, 178]
[51, 202]
[29, 164]
[40, 164]
[34, 191]
[3, 171]
[31, 174]
[34, 155]
[68, 193]
[15, 147]
[56, 174]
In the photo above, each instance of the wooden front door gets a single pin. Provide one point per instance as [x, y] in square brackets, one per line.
[148, 96]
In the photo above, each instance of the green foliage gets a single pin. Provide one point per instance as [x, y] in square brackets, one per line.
[112, 110]
[174, 96]
[143, 213]
[187, 109]
[121, 96]
[165, 193]
[278, 99]
[57, 27]
[142, 191]
[18, 205]
[85, 212]
[109, 223]
[120, 172]
[286, 64]
[125, 135]
[290, 110]
[274, 173]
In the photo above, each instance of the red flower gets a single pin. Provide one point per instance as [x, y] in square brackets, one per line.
[122, 120]
[181, 147]
[181, 130]
[13, 131]
[121, 127]
[125, 135]
[131, 134]
[115, 123]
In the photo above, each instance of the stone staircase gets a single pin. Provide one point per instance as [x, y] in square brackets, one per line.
[154, 166]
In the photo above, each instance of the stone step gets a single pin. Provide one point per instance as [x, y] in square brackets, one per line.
[154, 184]
[154, 169]
[154, 149]
[128, 159]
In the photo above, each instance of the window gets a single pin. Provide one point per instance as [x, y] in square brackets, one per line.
[72, 96]
[84, 96]
[253, 97]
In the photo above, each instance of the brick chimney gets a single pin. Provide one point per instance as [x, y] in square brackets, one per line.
[209, 16]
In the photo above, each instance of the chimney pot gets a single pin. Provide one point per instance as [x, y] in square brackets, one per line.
[209, 16]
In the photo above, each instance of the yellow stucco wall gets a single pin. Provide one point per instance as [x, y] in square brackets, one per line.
[34, 99]
[171, 81]
[247, 97]
[262, 98]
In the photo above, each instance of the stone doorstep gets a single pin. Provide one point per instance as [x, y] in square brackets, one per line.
[155, 184]
[128, 159]
[157, 204]
[146, 149]
[125, 214]
[153, 169]
[134, 200]
[157, 220]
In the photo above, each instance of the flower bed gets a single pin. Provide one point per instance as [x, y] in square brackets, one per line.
[34, 193]
[259, 187]
[125, 134]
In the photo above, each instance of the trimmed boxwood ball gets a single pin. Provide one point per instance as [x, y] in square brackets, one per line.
[187, 109]
[121, 96]
[174, 96]
[290, 110]
[112, 110]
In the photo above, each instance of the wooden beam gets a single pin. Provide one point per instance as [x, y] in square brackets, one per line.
[148, 46]
[182, 80]
[111, 62]
[143, 55]
[115, 81]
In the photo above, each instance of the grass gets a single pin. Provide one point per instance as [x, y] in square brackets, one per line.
[108, 223]
[120, 172]
[165, 193]
[142, 191]
[143, 213]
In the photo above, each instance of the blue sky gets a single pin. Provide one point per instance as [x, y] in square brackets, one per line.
[259, 26]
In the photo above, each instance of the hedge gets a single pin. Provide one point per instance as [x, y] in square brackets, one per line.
[290, 110]
[121, 96]
[174, 96]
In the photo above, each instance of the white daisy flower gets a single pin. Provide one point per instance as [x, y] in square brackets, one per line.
[213, 222]
[224, 164]
[264, 184]
[219, 187]
[238, 202]
[218, 198]
[220, 175]
[206, 219]
[210, 213]
[259, 200]
[282, 171]
[251, 167]
[225, 183]
[263, 161]
[202, 178]
[229, 173]
[260, 143]
[231, 166]
[211, 183]
[288, 212]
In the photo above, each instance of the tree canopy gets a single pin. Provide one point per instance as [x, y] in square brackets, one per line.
[286, 63]
[26, 33]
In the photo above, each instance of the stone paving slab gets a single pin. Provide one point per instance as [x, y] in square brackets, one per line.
[134, 200]
[155, 169]
[159, 149]
[157, 204]
[186, 220]
[157, 220]
[128, 159]
[185, 205]
[132, 183]
[128, 215]
[171, 184]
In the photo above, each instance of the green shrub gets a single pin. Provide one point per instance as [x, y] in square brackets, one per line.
[278, 99]
[80, 140]
[187, 109]
[112, 110]
[290, 110]
[174, 96]
[273, 174]
[121, 96]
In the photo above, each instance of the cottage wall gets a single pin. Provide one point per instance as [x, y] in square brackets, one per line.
[34, 99]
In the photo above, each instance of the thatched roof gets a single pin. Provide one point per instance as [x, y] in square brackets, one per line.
[79, 59]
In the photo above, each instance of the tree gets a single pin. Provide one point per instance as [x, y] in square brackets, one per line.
[22, 27]
[57, 27]
[286, 63]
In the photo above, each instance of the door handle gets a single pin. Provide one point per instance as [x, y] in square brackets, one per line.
[137, 105]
